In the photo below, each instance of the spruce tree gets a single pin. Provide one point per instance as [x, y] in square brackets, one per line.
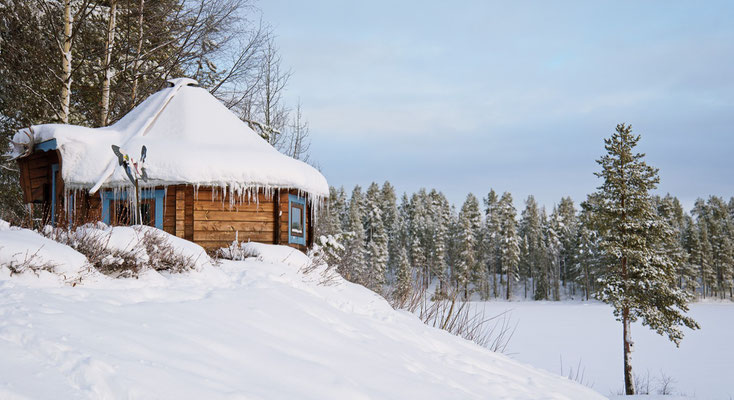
[340, 208]
[439, 211]
[390, 219]
[404, 281]
[693, 255]
[553, 250]
[375, 239]
[491, 238]
[532, 252]
[720, 234]
[587, 259]
[568, 233]
[672, 213]
[509, 242]
[354, 266]
[418, 228]
[329, 221]
[542, 281]
[470, 221]
[639, 281]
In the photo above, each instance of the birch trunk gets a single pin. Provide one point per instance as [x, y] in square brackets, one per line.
[110, 44]
[629, 379]
[66, 63]
[138, 51]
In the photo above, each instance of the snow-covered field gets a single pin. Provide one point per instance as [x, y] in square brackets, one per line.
[253, 329]
[548, 333]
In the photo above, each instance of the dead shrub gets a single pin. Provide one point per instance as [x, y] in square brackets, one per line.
[31, 262]
[162, 255]
[152, 250]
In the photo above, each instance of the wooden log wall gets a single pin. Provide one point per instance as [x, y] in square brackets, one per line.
[209, 220]
[35, 175]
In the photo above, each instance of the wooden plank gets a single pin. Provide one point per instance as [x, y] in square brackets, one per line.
[41, 172]
[200, 215]
[37, 193]
[224, 226]
[180, 200]
[276, 217]
[264, 237]
[208, 205]
[189, 213]
[206, 194]
[25, 181]
[213, 245]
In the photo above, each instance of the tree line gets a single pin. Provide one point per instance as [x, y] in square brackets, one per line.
[489, 249]
[89, 62]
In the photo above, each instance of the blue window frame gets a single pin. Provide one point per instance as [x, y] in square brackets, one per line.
[47, 145]
[158, 194]
[296, 219]
[54, 175]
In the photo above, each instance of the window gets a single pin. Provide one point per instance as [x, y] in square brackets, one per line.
[122, 212]
[296, 220]
[116, 210]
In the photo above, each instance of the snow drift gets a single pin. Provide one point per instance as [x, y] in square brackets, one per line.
[253, 329]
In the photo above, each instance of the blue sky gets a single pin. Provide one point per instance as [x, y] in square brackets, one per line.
[516, 96]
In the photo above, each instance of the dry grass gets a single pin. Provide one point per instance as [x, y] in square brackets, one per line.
[456, 316]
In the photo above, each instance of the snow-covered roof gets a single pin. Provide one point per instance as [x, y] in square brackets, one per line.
[191, 138]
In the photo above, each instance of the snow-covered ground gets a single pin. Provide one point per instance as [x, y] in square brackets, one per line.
[253, 329]
[549, 333]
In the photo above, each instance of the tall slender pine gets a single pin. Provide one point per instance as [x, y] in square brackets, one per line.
[639, 281]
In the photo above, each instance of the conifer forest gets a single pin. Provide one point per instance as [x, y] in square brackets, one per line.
[395, 243]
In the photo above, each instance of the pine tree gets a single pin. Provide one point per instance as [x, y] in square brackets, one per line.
[639, 283]
[509, 241]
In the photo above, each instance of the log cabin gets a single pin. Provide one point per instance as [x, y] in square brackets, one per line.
[211, 178]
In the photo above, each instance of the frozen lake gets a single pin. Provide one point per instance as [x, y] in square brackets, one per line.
[587, 332]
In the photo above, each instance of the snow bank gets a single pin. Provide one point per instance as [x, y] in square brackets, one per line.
[274, 254]
[253, 329]
[51, 261]
[194, 140]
